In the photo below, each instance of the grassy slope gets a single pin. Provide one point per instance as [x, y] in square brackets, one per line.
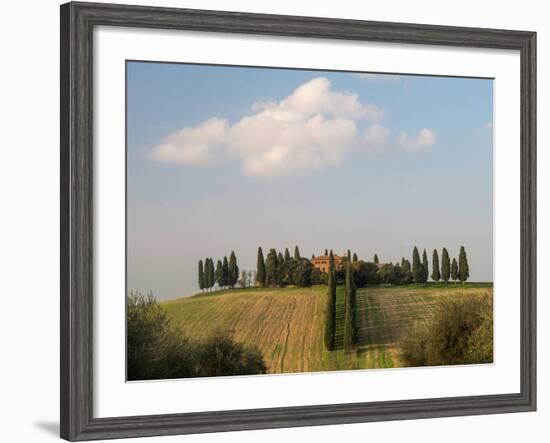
[385, 312]
[287, 324]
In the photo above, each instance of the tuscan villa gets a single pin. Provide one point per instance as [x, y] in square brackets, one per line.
[321, 262]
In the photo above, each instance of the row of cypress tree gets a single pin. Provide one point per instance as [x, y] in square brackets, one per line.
[350, 318]
[226, 273]
[330, 310]
[281, 270]
[455, 270]
[350, 315]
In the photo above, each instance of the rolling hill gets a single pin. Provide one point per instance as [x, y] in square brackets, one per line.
[286, 324]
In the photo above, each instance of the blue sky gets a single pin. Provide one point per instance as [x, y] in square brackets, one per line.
[231, 158]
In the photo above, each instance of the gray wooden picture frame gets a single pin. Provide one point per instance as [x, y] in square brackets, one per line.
[77, 23]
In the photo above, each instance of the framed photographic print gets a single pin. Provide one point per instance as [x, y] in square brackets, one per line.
[272, 221]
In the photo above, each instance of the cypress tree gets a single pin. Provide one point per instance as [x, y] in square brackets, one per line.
[296, 253]
[233, 270]
[271, 268]
[463, 268]
[201, 276]
[406, 268]
[260, 269]
[330, 312]
[204, 274]
[349, 255]
[436, 275]
[350, 328]
[225, 272]
[312, 256]
[219, 273]
[211, 274]
[354, 257]
[236, 271]
[416, 266]
[445, 266]
[326, 251]
[425, 267]
[454, 270]
[288, 271]
[207, 278]
[275, 269]
[287, 255]
[279, 269]
[376, 259]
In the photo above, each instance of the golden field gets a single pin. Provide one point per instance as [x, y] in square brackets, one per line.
[287, 324]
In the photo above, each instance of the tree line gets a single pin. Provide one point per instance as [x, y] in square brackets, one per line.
[330, 310]
[449, 269]
[279, 269]
[225, 274]
[350, 315]
[405, 272]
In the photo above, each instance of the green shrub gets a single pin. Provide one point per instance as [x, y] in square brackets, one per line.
[365, 273]
[316, 277]
[157, 349]
[460, 332]
[221, 355]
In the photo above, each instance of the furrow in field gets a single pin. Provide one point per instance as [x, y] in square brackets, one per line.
[287, 325]
[288, 328]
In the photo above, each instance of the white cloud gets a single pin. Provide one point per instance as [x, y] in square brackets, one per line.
[193, 146]
[376, 136]
[316, 97]
[312, 128]
[423, 141]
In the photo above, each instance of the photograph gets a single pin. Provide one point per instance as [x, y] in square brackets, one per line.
[283, 220]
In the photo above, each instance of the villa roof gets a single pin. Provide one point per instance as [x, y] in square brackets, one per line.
[326, 257]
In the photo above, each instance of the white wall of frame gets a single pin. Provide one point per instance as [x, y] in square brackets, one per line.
[29, 224]
[114, 397]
